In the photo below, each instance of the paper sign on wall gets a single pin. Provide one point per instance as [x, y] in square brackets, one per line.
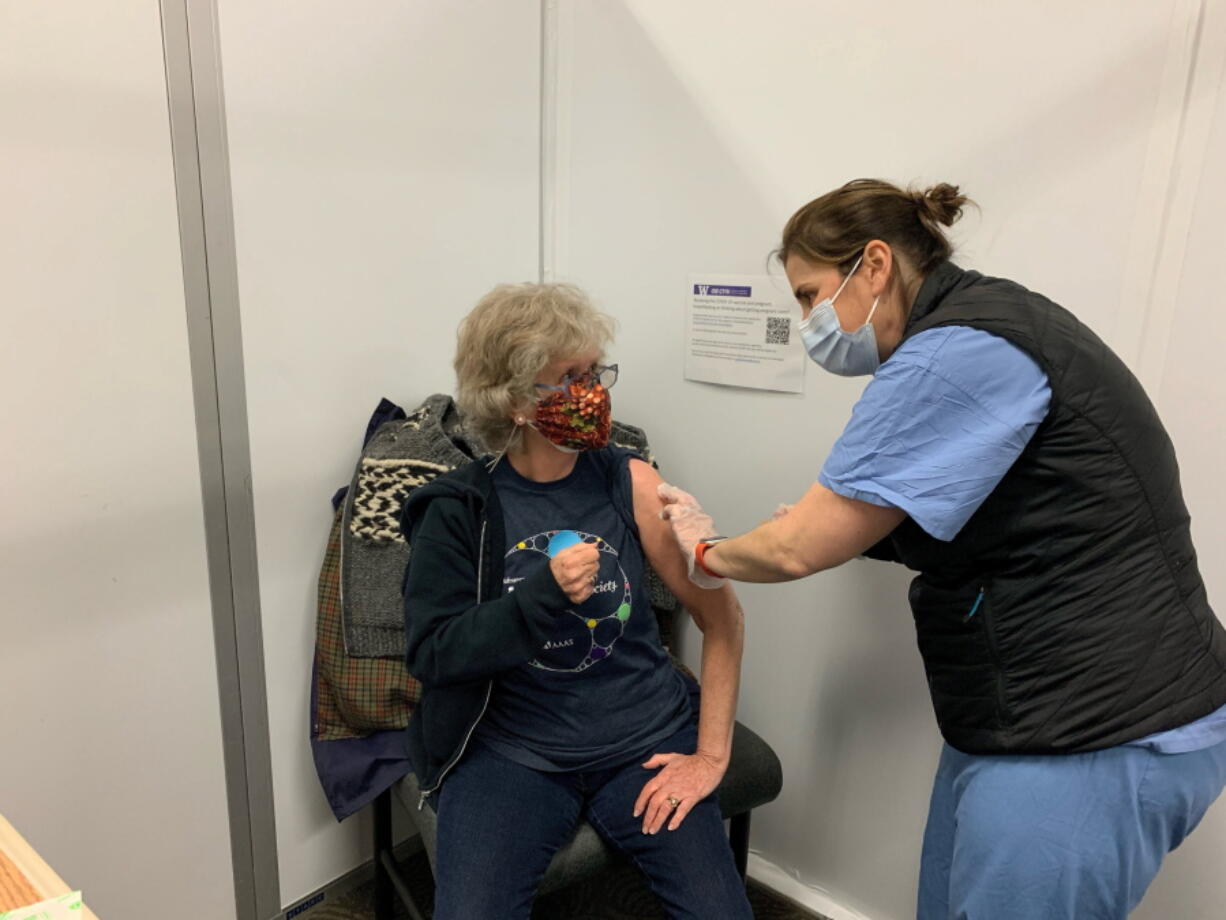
[741, 331]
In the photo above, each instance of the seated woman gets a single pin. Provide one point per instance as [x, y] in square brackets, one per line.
[547, 697]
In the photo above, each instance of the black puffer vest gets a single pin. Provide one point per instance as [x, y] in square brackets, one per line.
[1069, 613]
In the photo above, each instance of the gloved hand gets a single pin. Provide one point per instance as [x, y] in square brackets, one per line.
[690, 524]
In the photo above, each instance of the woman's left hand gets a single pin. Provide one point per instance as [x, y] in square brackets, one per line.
[686, 779]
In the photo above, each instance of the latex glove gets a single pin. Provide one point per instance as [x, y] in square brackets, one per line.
[690, 524]
[779, 512]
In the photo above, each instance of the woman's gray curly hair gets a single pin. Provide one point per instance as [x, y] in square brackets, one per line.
[510, 336]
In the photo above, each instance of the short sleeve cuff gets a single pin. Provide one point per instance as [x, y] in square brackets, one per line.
[875, 494]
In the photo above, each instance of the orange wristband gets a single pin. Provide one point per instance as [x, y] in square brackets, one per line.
[700, 550]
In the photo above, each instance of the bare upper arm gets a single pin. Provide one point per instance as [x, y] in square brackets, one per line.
[663, 553]
[656, 535]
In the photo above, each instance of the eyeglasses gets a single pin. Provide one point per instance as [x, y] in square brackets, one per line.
[604, 375]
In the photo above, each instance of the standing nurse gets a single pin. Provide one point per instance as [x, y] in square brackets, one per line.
[1004, 453]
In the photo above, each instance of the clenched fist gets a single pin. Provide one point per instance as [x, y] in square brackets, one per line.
[574, 569]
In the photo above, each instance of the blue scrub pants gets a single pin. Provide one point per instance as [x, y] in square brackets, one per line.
[1049, 838]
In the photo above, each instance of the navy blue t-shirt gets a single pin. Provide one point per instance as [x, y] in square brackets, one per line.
[602, 689]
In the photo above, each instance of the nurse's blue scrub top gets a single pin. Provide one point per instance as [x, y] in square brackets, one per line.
[937, 428]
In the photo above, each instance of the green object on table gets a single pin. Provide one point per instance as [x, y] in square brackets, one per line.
[65, 907]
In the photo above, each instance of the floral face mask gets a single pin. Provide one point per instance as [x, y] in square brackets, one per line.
[578, 414]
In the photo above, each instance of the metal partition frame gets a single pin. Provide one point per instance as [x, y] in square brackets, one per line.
[210, 281]
[210, 278]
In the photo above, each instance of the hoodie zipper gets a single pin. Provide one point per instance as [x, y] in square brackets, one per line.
[489, 687]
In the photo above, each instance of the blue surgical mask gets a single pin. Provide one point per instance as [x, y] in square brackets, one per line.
[848, 354]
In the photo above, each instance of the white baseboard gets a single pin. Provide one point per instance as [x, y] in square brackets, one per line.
[808, 896]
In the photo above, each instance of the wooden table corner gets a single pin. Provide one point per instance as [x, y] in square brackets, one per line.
[25, 877]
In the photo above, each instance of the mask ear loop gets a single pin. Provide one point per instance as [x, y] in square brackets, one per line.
[520, 421]
[808, 320]
[868, 319]
[873, 309]
[845, 280]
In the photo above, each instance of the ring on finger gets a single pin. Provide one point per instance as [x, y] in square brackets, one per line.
[674, 801]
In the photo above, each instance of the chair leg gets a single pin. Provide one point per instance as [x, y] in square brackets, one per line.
[385, 907]
[402, 889]
[738, 837]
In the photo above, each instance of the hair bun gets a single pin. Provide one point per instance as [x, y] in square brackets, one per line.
[941, 203]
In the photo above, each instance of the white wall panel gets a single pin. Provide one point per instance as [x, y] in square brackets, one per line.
[688, 133]
[1191, 400]
[111, 758]
[384, 165]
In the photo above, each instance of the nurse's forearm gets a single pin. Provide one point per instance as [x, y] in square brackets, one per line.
[822, 531]
[758, 556]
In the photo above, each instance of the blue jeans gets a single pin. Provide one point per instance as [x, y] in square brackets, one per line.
[500, 823]
[1058, 837]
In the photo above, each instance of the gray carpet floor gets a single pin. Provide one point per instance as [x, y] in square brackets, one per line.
[618, 895]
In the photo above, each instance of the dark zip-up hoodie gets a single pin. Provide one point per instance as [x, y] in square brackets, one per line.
[462, 631]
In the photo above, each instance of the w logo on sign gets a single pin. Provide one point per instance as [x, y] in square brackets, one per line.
[723, 290]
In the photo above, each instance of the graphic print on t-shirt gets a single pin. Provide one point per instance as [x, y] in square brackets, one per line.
[585, 634]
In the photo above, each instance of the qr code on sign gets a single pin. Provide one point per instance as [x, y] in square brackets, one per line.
[778, 330]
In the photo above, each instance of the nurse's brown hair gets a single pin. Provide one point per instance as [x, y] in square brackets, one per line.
[836, 227]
